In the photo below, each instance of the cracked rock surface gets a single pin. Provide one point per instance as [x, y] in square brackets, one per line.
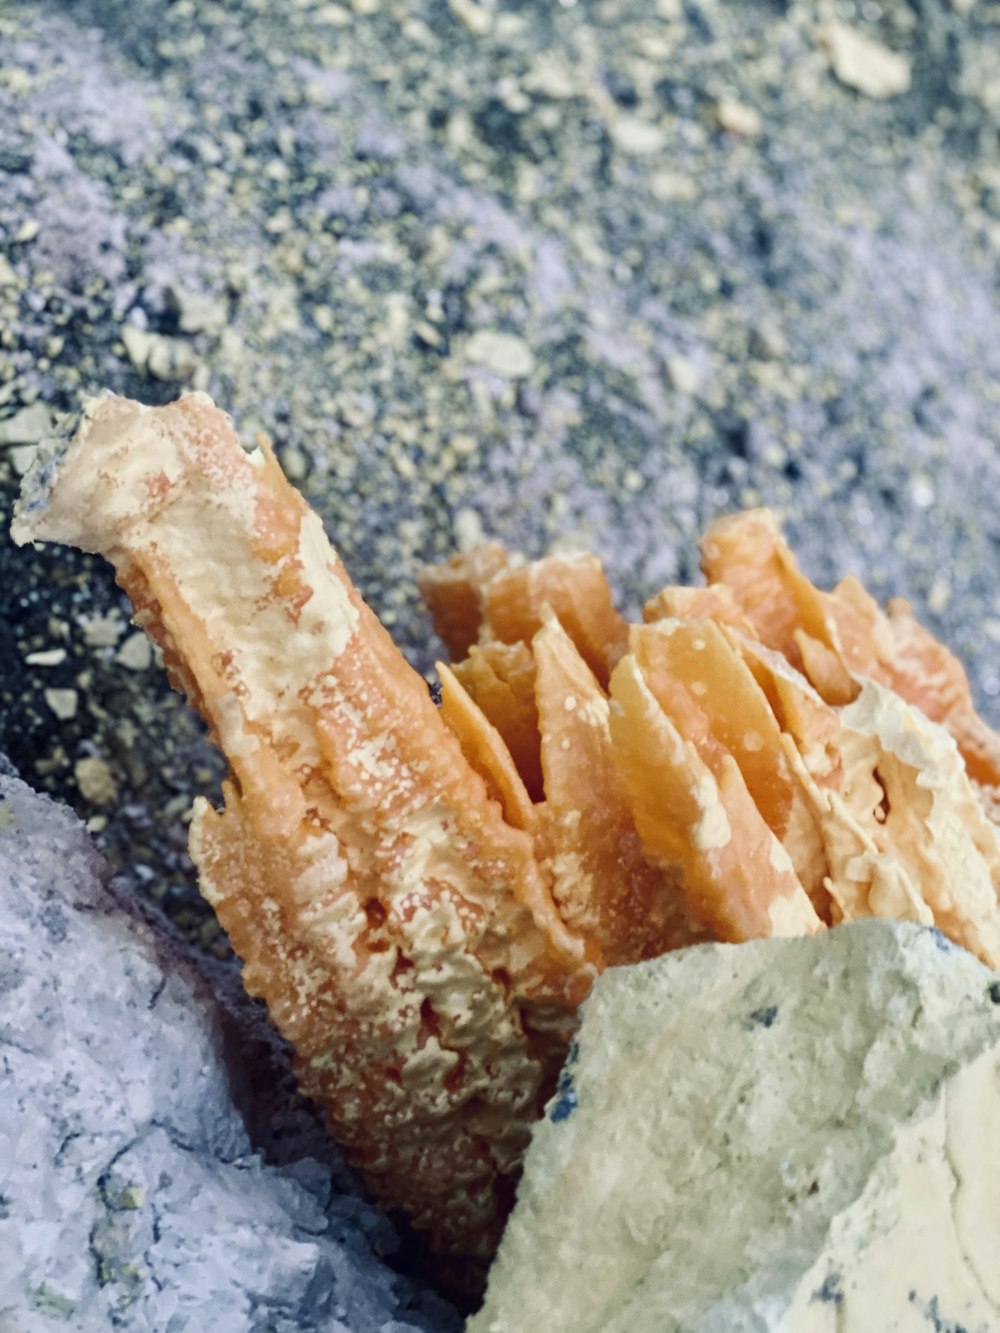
[132, 1191]
[795, 1135]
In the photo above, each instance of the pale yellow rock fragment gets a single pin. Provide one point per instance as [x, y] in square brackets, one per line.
[785, 1137]
[102, 631]
[504, 353]
[28, 426]
[474, 17]
[683, 374]
[63, 703]
[638, 138]
[673, 186]
[22, 456]
[920, 1241]
[863, 63]
[136, 653]
[46, 657]
[738, 118]
[94, 780]
[551, 77]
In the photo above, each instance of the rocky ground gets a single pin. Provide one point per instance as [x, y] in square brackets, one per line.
[576, 274]
[583, 274]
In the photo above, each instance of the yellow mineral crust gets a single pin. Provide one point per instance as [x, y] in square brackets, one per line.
[423, 896]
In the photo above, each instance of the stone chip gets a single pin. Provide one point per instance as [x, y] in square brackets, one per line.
[864, 64]
[95, 780]
[504, 353]
[738, 118]
[28, 426]
[136, 652]
[62, 702]
[637, 138]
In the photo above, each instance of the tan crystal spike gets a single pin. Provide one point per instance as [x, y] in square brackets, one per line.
[572, 587]
[836, 638]
[703, 656]
[399, 929]
[454, 594]
[507, 603]
[716, 602]
[483, 746]
[693, 811]
[605, 886]
[500, 678]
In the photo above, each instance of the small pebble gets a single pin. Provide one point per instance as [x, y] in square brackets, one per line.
[737, 118]
[476, 19]
[47, 657]
[136, 653]
[28, 426]
[638, 138]
[102, 632]
[95, 781]
[683, 374]
[504, 353]
[864, 64]
[468, 528]
[62, 702]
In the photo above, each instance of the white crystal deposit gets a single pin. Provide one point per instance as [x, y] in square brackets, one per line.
[131, 1194]
[795, 1135]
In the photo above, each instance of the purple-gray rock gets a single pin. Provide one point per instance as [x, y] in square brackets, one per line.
[132, 1191]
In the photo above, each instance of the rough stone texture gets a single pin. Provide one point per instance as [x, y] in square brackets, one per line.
[789, 1135]
[133, 1195]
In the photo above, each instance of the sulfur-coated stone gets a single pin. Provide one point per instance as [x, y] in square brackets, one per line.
[796, 1135]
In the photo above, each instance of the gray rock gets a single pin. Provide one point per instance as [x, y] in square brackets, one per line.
[796, 1135]
[132, 1192]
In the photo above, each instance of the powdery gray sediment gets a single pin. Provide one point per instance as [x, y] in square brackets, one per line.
[132, 1194]
[794, 1136]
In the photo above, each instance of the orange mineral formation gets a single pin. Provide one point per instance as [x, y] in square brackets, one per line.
[423, 896]
[839, 636]
[401, 931]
